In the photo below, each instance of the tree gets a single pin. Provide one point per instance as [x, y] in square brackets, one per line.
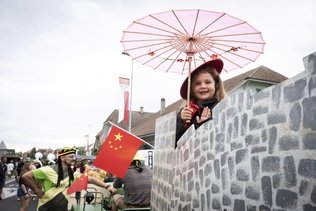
[81, 150]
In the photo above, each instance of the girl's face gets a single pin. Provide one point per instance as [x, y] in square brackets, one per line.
[203, 86]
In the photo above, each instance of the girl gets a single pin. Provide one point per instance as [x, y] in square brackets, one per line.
[206, 90]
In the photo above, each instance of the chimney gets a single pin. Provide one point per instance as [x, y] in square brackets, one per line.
[141, 109]
[162, 105]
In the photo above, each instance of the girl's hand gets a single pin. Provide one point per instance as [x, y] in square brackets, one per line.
[206, 114]
[186, 114]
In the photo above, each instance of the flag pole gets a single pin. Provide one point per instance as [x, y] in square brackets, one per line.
[131, 95]
[130, 102]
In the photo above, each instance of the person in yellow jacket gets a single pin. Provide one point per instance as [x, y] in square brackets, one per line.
[50, 183]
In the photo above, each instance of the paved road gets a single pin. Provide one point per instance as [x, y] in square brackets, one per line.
[10, 202]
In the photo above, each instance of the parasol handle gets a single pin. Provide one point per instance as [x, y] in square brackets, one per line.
[189, 84]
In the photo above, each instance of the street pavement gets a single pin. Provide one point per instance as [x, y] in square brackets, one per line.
[9, 200]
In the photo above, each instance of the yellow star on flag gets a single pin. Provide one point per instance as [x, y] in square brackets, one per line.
[118, 137]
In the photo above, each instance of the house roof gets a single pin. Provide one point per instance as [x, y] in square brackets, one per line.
[260, 73]
[137, 117]
[113, 116]
[147, 126]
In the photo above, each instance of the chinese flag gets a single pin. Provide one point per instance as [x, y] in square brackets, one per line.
[79, 184]
[117, 151]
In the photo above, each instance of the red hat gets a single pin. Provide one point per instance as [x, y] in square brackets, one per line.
[216, 63]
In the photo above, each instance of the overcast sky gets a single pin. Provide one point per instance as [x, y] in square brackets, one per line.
[60, 61]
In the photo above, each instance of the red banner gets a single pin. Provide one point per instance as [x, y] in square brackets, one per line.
[126, 113]
[124, 83]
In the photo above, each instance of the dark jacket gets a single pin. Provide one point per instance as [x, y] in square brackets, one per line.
[183, 126]
[137, 185]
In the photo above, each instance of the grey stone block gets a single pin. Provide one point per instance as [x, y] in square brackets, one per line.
[266, 186]
[241, 155]
[290, 172]
[208, 199]
[251, 208]
[252, 140]
[216, 204]
[239, 205]
[309, 207]
[271, 164]
[288, 142]
[230, 113]
[215, 188]
[309, 141]
[276, 96]
[286, 199]
[295, 116]
[255, 124]
[307, 168]
[313, 195]
[207, 169]
[224, 174]
[264, 94]
[255, 167]
[264, 208]
[276, 180]
[303, 187]
[258, 149]
[273, 132]
[236, 127]
[276, 118]
[217, 169]
[260, 110]
[294, 92]
[264, 135]
[244, 123]
[224, 158]
[235, 189]
[226, 200]
[252, 192]
[242, 175]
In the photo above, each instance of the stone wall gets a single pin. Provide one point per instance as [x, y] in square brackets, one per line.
[258, 153]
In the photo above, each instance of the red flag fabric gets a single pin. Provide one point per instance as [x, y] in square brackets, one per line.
[126, 95]
[79, 184]
[124, 83]
[117, 151]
